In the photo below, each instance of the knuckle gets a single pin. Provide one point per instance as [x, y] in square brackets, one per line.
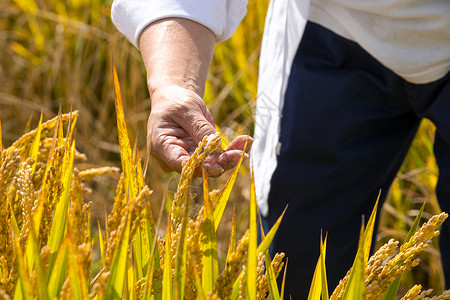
[177, 107]
[200, 128]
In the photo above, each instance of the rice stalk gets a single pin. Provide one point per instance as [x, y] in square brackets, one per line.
[384, 267]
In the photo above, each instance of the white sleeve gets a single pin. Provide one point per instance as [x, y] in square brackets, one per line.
[222, 17]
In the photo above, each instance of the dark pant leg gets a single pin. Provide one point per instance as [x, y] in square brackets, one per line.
[345, 130]
[442, 152]
[433, 101]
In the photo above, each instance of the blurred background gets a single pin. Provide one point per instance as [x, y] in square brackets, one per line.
[59, 54]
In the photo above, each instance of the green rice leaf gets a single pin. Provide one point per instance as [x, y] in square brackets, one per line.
[131, 185]
[73, 117]
[41, 280]
[368, 233]
[24, 290]
[283, 283]
[315, 289]
[152, 266]
[391, 293]
[137, 252]
[393, 288]
[318, 285]
[149, 277]
[225, 195]
[265, 243]
[355, 288]
[209, 243]
[232, 243]
[62, 207]
[60, 129]
[271, 278]
[75, 280]
[15, 226]
[38, 214]
[167, 273]
[146, 229]
[102, 245]
[52, 124]
[323, 270]
[28, 125]
[252, 253]
[263, 247]
[139, 172]
[134, 182]
[130, 280]
[57, 275]
[114, 287]
[180, 260]
[34, 151]
[198, 285]
[415, 225]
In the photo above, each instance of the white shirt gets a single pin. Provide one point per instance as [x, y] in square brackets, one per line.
[222, 17]
[410, 37]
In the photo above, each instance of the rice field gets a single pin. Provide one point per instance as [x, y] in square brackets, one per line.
[47, 242]
[59, 55]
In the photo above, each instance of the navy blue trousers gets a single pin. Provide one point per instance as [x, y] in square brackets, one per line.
[347, 123]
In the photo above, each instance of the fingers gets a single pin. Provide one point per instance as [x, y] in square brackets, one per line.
[212, 169]
[177, 151]
[171, 151]
[215, 164]
[239, 143]
[178, 122]
[232, 154]
[230, 159]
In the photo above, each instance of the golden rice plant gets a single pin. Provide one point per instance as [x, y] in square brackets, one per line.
[46, 242]
[378, 277]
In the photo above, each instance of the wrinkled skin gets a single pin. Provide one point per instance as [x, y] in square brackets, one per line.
[178, 122]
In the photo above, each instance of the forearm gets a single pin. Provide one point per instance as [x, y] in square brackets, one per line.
[177, 52]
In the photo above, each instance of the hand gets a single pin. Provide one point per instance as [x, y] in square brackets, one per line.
[178, 121]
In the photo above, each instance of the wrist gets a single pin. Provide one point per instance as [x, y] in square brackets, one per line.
[161, 84]
[166, 95]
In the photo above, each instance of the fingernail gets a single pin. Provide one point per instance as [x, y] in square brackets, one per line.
[216, 171]
[213, 168]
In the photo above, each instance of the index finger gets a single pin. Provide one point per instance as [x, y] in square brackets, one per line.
[239, 143]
